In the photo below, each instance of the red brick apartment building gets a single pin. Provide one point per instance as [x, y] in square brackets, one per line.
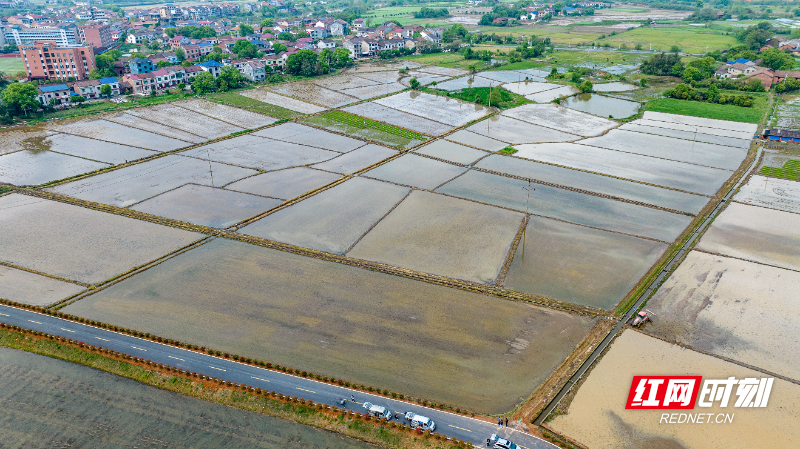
[95, 35]
[45, 60]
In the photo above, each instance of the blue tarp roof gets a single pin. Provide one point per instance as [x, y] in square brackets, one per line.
[204, 44]
[211, 63]
[108, 80]
[53, 88]
[739, 61]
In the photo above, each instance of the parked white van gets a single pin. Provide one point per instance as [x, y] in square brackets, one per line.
[420, 422]
[377, 411]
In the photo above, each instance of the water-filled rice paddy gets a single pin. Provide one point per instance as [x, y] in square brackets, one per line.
[312, 93]
[640, 127]
[357, 159]
[28, 167]
[206, 206]
[132, 121]
[116, 133]
[700, 153]
[657, 196]
[774, 193]
[135, 183]
[344, 82]
[476, 140]
[614, 87]
[597, 416]
[515, 131]
[423, 78]
[561, 118]
[105, 410]
[260, 153]
[602, 106]
[444, 71]
[578, 264]
[528, 88]
[680, 126]
[755, 233]
[700, 122]
[31, 288]
[442, 235]
[367, 92]
[508, 76]
[678, 175]
[398, 118]
[467, 82]
[92, 149]
[732, 308]
[185, 120]
[228, 114]
[441, 109]
[567, 205]
[331, 220]
[79, 244]
[451, 151]
[17, 138]
[284, 184]
[551, 94]
[416, 171]
[306, 135]
[381, 77]
[283, 101]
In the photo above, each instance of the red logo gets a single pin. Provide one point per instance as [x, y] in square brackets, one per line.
[663, 392]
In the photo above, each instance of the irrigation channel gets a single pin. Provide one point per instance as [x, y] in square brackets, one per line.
[644, 296]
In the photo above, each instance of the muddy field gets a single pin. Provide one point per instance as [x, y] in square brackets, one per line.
[357, 159]
[306, 135]
[116, 133]
[28, 167]
[774, 193]
[513, 131]
[186, 120]
[284, 184]
[31, 288]
[416, 171]
[561, 118]
[598, 419]
[259, 153]
[733, 308]
[293, 104]
[346, 322]
[132, 121]
[451, 151]
[50, 403]
[228, 114]
[476, 140]
[441, 109]
[314, 94]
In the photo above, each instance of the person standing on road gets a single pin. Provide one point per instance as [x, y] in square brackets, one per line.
[500, 422]
[353, 397]
[506, 422]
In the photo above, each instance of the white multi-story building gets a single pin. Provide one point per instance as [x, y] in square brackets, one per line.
[63, 36]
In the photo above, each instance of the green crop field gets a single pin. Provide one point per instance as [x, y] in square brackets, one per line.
[790, 170]
[363, 123]
[234, 99]
[11, 65]
[690, 40]
[752, 114]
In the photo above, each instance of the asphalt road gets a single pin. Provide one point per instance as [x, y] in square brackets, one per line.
[458, 426]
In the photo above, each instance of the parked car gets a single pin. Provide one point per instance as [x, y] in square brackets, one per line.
[377, 411]
[420, 422]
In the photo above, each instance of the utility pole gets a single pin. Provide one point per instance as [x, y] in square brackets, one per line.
[209, 167]
[527, 202]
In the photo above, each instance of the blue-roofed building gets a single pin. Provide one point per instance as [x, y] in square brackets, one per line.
[739, 61]
[141, 65]
[113, 82]
[258, 43]
[212, 67]
[59, 92]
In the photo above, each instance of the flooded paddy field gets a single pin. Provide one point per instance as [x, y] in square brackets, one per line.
[467, 82]
[561, 118]
[451, 151]
[132, 121]
[423, 78]
[602, 106]
[443, 71]
[442, 235]
[260, 153]
[367, 92]
[357, 159]
[515, 131]
[344, 82]
[774, 193]
[727, 128]
[578, 264]
[619, 188]
[110, 153]
[508, 76]
[639, 126]
[416, 171]
[614, 87]
[306, 135]
[531, 87]
[229, 114]
[476, 140]
[441, 109]
[367, 133]
[31, 288]
[116, 133]
[567, 205]
[674, 174]
[740, 310]
[699, 153]
[52, 403]
[29, 167]
[17, 138]
[381, 77]
[312, 93]
[206, 206]
[398, 118]
[597, 416]
[721, 132]
[331, 220]
[186, 120]
[79, 244]
[341, 321]
[755, 233]
[284, 184]
[551, 94]
[135, 183]
[283, 101]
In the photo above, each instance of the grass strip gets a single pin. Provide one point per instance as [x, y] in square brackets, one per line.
[234, 99]
[363, 123]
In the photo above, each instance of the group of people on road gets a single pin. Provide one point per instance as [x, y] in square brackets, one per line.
[502, 422]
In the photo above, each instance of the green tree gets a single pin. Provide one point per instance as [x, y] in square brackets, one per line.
[455, 32]
[303, 63]
[20, 98]
[245, 49]
[181, 86]
[692, 73]
[230, 78]
[77, 99]
[756, 36]
[277, 47]
[713, 94]
[105, 90]
[286, 36]
[245, 30]
[754, 85]
[776, 59]
[204, 83]
[586, 87]
[414, 84]
[180, 54]
[214, 57]
[341, 58]
[267, 23]
[163, 63]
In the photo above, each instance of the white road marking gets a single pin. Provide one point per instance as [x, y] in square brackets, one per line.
[216, 368]
[67, 330]
[134, 347]
[176, 358]
[258, 378]
[4, 314]
[306, 390]
[460, 428]
[101, 339]
[34, 322]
